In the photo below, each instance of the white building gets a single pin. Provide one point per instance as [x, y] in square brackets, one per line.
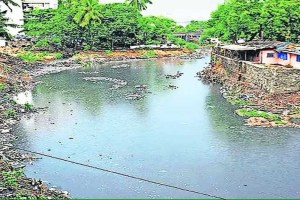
[16, 15]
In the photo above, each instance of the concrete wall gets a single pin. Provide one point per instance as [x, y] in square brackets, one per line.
[269, 61]
[269, 79]
[272, 79]
[294, 62]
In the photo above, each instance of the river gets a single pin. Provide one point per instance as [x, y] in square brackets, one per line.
[188, 137]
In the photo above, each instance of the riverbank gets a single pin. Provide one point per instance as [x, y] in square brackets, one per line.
[259, 108]
[18, 76]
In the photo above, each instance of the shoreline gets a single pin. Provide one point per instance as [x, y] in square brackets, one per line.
[257, 107]
[22, 78]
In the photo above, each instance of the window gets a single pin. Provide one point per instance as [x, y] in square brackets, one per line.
[283, 56]
[298, 58]
[270, 55]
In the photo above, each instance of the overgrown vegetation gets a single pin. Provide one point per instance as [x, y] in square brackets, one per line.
[2, 86]
[38, 56]
[10, 112]
[105, 26]
[253, 19]
[10, 178]
[239, 102]
[244, 112]
[149, 53]
[28, 106]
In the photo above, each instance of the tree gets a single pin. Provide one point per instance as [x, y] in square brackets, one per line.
[139, 4]
[88, 14]
[8, 3]
[254, 19]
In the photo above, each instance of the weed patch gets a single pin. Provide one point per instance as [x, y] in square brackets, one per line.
[256, 113]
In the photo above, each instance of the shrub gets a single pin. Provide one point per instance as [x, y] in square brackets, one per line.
[149, 53]
[2, 86]
[28, 106]
[10, 178]
[10, 112]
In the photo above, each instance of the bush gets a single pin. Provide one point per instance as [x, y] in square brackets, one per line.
[2, 86]
[149, 53]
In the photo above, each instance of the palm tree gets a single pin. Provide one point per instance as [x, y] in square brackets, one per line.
[8, 3]
[139, 4]
[4, 25]
[88, 14]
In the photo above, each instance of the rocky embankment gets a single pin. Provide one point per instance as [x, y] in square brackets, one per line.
[17, 76]
[14, 78]
[258, 107]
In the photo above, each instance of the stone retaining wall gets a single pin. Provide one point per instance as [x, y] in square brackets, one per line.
[270, 79]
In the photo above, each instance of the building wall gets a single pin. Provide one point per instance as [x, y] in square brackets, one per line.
[269, 61]
[293, 61]
[285, 62]
[269, 79]
[15, 16]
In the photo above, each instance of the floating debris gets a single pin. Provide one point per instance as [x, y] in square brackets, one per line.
[120, 66]
[174, 87]
[134, 96]
[118, 83]
[176, 76]
[88, 72]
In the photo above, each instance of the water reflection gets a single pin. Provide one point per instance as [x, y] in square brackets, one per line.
[188, 137]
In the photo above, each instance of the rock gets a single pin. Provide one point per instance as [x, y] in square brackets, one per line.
[49, 58]
[4, 131]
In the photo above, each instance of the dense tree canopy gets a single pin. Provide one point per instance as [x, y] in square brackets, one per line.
[92, 25]
[252, 19]
[139, 4]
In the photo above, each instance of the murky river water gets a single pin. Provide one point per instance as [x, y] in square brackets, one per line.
[189, 137]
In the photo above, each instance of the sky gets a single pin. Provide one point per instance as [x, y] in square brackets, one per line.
[182, 11]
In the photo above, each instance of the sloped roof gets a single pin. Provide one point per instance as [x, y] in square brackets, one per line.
[234, 47]
[289, 48]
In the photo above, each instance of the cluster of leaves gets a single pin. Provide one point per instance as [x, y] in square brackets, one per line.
[253, 19]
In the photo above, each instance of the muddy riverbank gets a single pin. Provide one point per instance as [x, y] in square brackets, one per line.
[259, 108]
[18, 76]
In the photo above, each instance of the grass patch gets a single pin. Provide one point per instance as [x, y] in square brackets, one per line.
[295, 111]
[2, 86]
[239, 102]
[37, 56]
[281, 122]
[28, 106]
[10, 112]
[149, 53]
[256, 113]
[10, 178]
[108, 52]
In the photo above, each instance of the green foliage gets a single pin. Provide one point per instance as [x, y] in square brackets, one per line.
[10, 112]
[10, 178]
[139, 4]
[256, 113]
[2, 86]
[30, 56]
[253, 19]
[239, 102]
[191, 46]
[295, 111]
[149, 53]
[28, 106]
[108, 52]
[281, 122]
[195, 26]
[37, 56]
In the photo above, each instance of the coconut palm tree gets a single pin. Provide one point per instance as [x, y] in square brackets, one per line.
[4, 25]
[88, 14]
[9, 3]
[139, 4]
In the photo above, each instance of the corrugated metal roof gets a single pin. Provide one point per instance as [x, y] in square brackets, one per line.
[238, 47]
